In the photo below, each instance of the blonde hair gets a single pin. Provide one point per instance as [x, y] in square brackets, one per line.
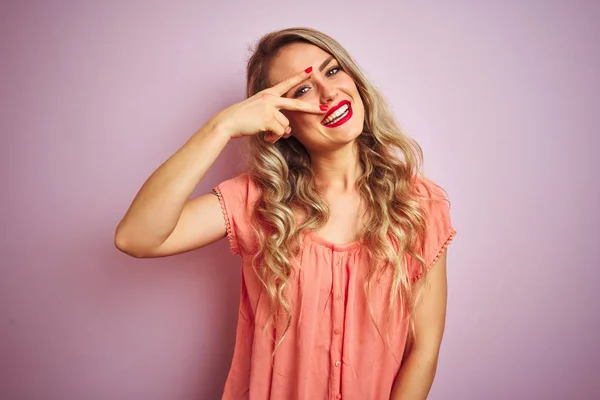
[390, 161]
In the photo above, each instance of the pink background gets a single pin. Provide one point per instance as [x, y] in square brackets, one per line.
[504, 98]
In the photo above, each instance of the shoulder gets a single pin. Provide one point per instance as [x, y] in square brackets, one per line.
[427, 190]
[241, 188]
[432, 199]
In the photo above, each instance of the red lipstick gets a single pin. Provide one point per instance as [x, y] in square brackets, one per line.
[341, 121]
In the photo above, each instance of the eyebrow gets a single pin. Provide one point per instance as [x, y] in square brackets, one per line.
[325, 63]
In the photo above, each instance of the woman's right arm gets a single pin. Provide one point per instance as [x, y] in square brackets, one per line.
[162, 220]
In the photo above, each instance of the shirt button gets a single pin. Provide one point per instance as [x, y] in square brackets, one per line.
[339, 296]
[338, 396]
[337, 364]
[338, 263]
[337, 331]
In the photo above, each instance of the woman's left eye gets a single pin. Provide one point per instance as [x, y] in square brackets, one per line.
[333, 71]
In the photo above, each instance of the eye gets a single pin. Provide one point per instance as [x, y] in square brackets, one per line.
[301, 91]
[334, 71]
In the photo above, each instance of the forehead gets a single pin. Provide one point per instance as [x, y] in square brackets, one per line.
[294, 58]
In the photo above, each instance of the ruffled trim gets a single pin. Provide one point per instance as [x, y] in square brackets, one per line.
[438, 255]
[230, 234]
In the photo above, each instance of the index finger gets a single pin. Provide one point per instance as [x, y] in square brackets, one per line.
[284, 86]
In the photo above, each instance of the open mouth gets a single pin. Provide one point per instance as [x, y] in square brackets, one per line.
[338, 115]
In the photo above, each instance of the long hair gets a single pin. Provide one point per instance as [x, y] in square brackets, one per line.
[390, 161]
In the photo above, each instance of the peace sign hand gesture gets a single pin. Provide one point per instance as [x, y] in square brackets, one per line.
[262, 112]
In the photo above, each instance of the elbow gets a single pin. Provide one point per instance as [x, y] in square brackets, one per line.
[125, 245]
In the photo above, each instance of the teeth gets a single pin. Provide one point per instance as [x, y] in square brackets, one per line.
[337, 114]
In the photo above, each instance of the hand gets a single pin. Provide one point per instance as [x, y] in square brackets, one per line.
[262, 112]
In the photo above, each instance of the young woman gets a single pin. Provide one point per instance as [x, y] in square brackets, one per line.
[336, 227]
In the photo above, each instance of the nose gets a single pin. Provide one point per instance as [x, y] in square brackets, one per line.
[327, 92]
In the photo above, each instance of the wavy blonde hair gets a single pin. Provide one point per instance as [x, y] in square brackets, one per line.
[390, 161]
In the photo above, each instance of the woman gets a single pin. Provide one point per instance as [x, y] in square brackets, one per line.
[335, 226]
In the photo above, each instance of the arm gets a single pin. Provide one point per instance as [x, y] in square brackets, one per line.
[162, 220]
[419, 365]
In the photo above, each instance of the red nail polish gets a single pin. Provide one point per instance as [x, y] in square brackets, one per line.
[308, 70]
[323, 107]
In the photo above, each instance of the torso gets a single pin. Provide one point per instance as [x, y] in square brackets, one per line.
[334, 346]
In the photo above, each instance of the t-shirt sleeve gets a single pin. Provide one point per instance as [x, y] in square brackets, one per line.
[237, 197]
[438, 225]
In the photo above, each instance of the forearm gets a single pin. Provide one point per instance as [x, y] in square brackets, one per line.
[415, 377]
[156, 208]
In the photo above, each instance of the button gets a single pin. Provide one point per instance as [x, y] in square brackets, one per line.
[338, 363]
[336, 331]
[338, 263]
[338, 296]
[338, 396]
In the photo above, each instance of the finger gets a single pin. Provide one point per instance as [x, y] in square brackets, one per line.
[284, 86]
[271, 137]
[282, 119]
[288, 133]
[299, 105]
[275, 131]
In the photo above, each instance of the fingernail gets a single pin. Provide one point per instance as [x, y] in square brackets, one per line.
[308, 70]
[323, 107]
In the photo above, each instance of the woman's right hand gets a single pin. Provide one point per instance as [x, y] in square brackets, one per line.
[262, 112]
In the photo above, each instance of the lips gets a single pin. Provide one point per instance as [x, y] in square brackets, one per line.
[338, 114]
[335, 108]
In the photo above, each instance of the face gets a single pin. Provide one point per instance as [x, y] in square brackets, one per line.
[328, 85]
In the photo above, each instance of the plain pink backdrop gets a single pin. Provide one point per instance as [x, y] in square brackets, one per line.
[503, 96]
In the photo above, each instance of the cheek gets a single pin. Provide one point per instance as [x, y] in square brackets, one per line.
[360, 106]
[348, 83]
[301, 121]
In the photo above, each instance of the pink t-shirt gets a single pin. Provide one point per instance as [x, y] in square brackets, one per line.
[332, 349]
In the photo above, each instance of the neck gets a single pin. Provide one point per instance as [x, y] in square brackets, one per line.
[337, 171]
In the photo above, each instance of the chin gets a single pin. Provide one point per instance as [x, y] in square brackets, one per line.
[346, 133]
[346, 137]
